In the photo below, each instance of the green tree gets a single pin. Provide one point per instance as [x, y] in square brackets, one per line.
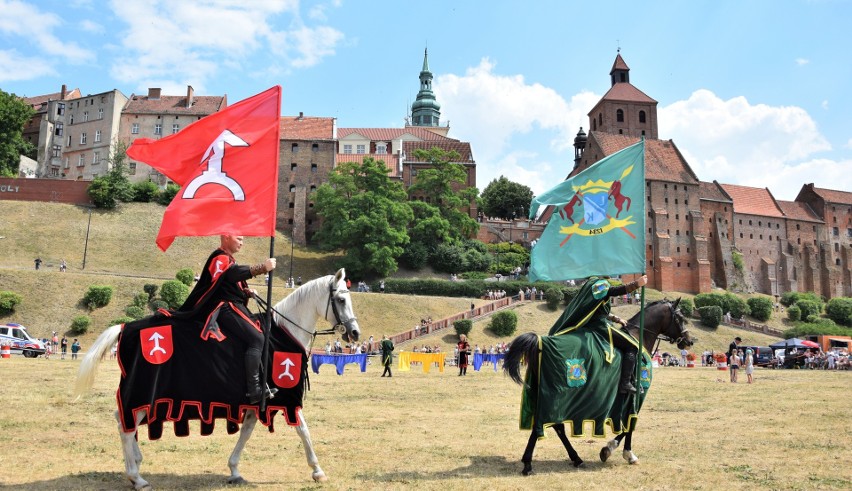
[440, 183]
[107, 190]
[14, 114]
[174, 293]
[503, 198]
[365, 214]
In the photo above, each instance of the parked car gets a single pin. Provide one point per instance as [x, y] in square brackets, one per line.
[762, 355]
[20, 341]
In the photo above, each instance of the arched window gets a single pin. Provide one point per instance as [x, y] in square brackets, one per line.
[619, 116]
[641, 116]
[600, 118]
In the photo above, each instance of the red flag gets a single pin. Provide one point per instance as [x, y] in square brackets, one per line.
[227, 167]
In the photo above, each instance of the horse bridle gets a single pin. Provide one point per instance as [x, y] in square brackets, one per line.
[347, 324]
[666, 337]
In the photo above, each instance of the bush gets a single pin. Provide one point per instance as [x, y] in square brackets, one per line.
[8, 301]
[708, 299]
[97, 296]
[159, 304]
[140, 300]
[174, 293]
[840, 310]
[449, 258]
[504, 323]
[145, 191]
[711, 316]
[553, 297]
[686, 306]
[808, 308]
[185, 276]
[167, 195]
[414, 256]
[761, 308]
[80, 324]
[121, 320]
[463, 326]
[151, 290]
[821, 326]
[134, 312]
[812, 319]
[791, 298]
[794, 313]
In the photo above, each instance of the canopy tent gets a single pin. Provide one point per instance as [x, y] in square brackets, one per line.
[789, 343]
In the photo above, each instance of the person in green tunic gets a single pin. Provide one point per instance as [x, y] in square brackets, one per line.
[590, 309]
[387, 355]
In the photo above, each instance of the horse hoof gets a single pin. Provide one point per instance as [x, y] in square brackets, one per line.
[320, 477]
[527, 472]
[236, 481]
[630, 457]
[605, 454]
[579, 464]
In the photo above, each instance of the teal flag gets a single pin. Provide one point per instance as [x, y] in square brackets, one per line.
[598, 224]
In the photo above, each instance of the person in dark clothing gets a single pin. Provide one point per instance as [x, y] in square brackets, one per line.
[590, 309]
[221, 297]
[464, 354]
[387, 355]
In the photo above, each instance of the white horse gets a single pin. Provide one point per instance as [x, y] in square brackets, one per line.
[297, 314]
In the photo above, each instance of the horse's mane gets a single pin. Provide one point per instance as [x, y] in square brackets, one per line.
[299, 294]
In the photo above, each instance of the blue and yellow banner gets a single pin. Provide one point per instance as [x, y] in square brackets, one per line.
[598, 225]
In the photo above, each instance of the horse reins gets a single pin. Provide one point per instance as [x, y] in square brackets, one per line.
[665, 337]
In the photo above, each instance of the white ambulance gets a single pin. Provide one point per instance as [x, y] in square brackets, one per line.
[20, 341]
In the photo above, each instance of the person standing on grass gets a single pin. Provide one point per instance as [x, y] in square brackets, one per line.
[734, 361]
[75, 348]
[464, 354]
[387, 355]
[749, 364]
[64, 346]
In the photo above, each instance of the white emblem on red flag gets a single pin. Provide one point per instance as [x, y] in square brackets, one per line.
[156, 343]
[286, 369]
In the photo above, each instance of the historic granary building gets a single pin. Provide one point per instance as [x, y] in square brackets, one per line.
[706, 234]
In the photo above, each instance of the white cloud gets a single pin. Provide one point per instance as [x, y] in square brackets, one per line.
[91, 27]
[34, 26]
[196, 40]
[825, 104]
[501, 114]
[802, 61]
[14, 67]
[758, 145]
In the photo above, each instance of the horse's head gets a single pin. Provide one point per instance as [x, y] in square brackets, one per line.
[676, 330]
[342, 316]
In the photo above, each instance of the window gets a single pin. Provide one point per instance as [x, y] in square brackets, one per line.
[69, 140]
[158, 129]
[58, 130]
[619, 116]
[175, 128]
[60, 109]
[641, 116]
[290, 205]
[836, 261]
[849, 232]
[56, 151]
[347, 148]
[101, 113]
[381, 149]
[97, 136]
[293, 166]
[360, 149]
[315, 147]
[600, 118]
[313, 188]
[131, 168]
[96, 158]
[82, 160]
[294, 148]
[292, 188]
[82, 138]
[54, 172]
[313, 168]
[85, 116]
[797, 228]
[134, 129]
[71, 118]
[835, 231]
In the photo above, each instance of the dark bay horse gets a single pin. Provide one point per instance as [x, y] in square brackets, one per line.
[663, 321]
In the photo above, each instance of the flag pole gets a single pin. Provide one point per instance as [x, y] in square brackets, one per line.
[267, 328]
[641, 347]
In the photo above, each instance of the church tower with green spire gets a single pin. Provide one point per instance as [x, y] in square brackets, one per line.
[425, 111]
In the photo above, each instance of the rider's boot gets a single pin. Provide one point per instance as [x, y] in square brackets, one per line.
[628, 368]
[254, 390]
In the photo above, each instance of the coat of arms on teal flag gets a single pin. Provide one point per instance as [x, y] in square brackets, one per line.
[598, 227]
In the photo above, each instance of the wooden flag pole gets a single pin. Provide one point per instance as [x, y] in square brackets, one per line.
[267, 329]
[641, 348]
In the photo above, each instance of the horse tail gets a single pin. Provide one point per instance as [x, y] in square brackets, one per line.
[523, 348]
[86, 373]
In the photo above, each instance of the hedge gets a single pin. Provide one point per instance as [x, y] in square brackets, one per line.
[504, 323]
[8, 301]
[97, 296]
[840, 310]
[80, 324]
[711, 315]
[761, 308]
[463, 326]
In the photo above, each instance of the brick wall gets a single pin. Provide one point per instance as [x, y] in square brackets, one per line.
[49, 190]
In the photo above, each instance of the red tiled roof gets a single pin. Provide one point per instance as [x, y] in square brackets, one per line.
[463, 149]
[202, 105]
[388, 134]
[391, 161]
[306, 128]
[38, 100]
[797, 210]
[712, 192]
[663, 162]
[752, 201]
[624, 91]
[619, 64]
[833, 196]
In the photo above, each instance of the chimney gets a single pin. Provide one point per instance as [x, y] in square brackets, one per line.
[63, 92]
[189, 96]
[301, 115]
[154, 93]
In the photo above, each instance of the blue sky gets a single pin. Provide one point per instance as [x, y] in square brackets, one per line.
[752, 92]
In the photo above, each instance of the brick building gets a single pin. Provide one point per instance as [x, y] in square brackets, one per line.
[699, 232]
[46, 130]
[90, 134]
[155, 116]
